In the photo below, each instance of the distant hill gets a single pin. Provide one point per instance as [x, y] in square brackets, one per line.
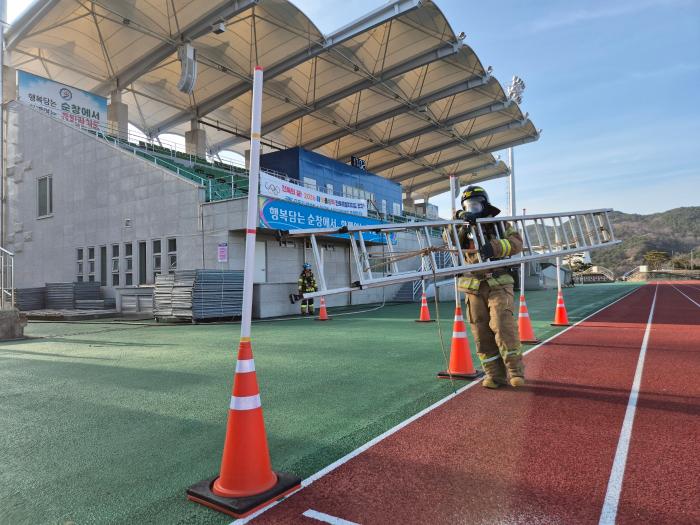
[676, 230]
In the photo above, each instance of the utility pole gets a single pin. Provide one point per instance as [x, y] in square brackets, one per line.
[515, 93]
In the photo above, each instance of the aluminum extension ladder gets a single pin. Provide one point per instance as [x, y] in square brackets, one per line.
[544, 236]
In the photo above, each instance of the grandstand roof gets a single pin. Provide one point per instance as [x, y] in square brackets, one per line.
[396, 86]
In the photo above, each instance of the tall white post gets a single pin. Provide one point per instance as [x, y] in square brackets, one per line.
[252, 217]
[511, 183]
[453, 205]
[3, 19]
[522, 270]
[558, 275]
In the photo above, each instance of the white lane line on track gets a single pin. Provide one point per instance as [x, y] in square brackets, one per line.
[617, 474]
[314, 477]
[689, 299]
[327, 518]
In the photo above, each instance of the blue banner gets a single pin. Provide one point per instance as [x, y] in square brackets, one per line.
[275, 214]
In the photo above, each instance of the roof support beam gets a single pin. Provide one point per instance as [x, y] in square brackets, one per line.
[449, 122]
[365, 23]
[155, 56]
[26, 22]
[460, 87]
[439, 178]
[449, 162]
[410, 191]
[439, 147]
[426, 58]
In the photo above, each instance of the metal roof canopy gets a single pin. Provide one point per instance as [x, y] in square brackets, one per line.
[396, 86]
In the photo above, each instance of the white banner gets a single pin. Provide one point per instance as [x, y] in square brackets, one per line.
[61, 101]
[271, 186]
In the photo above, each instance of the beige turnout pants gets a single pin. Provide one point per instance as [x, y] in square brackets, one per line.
[495, 331]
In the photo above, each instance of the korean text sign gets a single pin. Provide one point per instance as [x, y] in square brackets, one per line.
[281, 189]
[63, 102]
[277, 214]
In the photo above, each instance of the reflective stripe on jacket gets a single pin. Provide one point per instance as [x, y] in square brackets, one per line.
[510, 244]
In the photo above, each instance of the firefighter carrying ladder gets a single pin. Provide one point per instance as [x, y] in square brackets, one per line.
[544, 236]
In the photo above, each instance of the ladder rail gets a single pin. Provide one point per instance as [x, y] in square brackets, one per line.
[446, 272]
[444, 256]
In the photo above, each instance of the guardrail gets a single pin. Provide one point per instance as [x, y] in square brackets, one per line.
[7, 279]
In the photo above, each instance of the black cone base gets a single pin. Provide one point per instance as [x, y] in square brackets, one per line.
[240, 507]
[422, 321]
[560, 324]
[531, 342]
[446, 375]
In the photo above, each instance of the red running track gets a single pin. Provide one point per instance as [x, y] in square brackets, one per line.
[662, 479]
[542, 454]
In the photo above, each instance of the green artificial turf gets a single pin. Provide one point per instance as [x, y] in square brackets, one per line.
[106, 422]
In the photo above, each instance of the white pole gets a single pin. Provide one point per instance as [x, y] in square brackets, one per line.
[252, 218]
[3, 19]
[453, 197]
[511, 183]
[558, 276]
[522, 270]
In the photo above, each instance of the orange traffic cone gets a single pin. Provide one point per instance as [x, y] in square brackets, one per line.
[322, 313]
[527, 335]
[560, 317]
[424, 312]
[246, 481]
[461, 365]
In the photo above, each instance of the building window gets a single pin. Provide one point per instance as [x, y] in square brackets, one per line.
[80, 268]
[287, 243]
[329, 189]
[172, 255]
[128, 264]
[397, 209]
[329, 247]
[115, 265]
[156, 259]
[383, 209]
[45, 196]
[91, 264]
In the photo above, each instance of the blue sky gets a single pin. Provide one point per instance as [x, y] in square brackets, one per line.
[614, 85]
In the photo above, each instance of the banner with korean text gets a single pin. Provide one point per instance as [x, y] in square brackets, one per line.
[63, 102]
[272, 186]
[277, 214]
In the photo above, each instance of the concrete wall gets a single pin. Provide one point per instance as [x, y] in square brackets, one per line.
[104, 196]
[101, 196]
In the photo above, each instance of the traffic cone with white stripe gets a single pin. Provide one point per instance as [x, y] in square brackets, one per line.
[424, 312]
[560, 317]
[246, 481]
[461, 364]
[527, 335]
[322, 313]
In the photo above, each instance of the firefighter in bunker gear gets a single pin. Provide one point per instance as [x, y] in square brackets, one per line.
[307, 284]
[490, 294]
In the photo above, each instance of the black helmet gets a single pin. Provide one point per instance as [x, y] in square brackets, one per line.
[475, 200]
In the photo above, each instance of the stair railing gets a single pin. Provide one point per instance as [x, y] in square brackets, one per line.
[7, 279]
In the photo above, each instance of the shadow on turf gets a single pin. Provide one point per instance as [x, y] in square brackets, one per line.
[114, 376]
[47, 354]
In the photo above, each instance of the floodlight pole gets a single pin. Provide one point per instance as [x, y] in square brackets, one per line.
[511, 184]
[252, 217]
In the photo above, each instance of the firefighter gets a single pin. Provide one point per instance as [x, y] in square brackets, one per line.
[307, 284]
[490, 294]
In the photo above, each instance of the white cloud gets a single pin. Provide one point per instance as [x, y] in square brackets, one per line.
[569, 18]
